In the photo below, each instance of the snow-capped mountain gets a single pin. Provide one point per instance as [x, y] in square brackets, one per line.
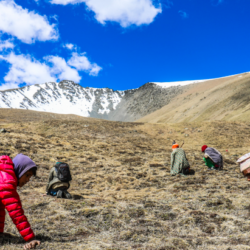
[64, 97]
[67, 97]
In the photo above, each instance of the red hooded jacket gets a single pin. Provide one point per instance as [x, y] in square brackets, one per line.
[10, 200]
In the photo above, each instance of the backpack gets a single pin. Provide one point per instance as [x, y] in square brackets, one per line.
[63, 172]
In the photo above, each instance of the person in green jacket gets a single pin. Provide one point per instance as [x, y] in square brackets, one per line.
[179, 162]
[57, 187]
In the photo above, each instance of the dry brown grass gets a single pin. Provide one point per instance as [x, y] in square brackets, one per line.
[124, 196]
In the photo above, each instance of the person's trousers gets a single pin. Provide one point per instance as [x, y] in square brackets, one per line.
[209, 163]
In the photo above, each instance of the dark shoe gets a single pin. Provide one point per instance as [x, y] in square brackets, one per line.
[59, 194]
[67, 194]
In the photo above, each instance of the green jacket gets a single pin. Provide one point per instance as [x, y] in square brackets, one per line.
[53, 179]
[179, 161]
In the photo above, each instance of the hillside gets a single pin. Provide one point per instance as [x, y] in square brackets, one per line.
[124, 196]
[225, 98]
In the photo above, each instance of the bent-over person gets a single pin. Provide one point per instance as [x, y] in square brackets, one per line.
[212, 158]
[244, 164]
[13, 174]
[58, 182]
[179, 162]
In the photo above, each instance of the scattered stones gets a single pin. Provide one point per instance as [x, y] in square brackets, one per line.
[3, 130]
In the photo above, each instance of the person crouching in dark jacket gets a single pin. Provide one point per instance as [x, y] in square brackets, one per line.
[58, 182]
[212, 158]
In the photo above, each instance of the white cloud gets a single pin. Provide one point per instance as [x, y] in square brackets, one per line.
[7, 86]
[81, 62]
[62, 70]
[69, 46]
[25, 69]
[125, 12]
[6, 45]
[28, 70]
[26, 25]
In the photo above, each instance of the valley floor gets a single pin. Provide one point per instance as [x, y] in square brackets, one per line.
[124, 196]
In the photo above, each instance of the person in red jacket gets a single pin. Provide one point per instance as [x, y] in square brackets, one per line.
[13, 174]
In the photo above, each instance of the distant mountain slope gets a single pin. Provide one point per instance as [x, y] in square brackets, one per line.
[144, 100]
[68, 97]
[225, 98]
[65, 97]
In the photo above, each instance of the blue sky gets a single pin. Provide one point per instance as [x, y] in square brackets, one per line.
[122, 44]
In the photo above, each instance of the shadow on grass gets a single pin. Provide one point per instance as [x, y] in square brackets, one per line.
[10, 239]
[191, 172]
[77, 197]
[14, 239]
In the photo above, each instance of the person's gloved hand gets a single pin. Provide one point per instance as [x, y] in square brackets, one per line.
[32, 244]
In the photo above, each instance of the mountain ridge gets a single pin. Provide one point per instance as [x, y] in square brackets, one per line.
[67, 97]
[187, 101]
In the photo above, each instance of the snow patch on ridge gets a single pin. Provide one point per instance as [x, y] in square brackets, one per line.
[181, 83]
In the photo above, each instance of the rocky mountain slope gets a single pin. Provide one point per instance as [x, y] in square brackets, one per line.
[68, 97]
[65, 97]
[145, 100]
[226, 98]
